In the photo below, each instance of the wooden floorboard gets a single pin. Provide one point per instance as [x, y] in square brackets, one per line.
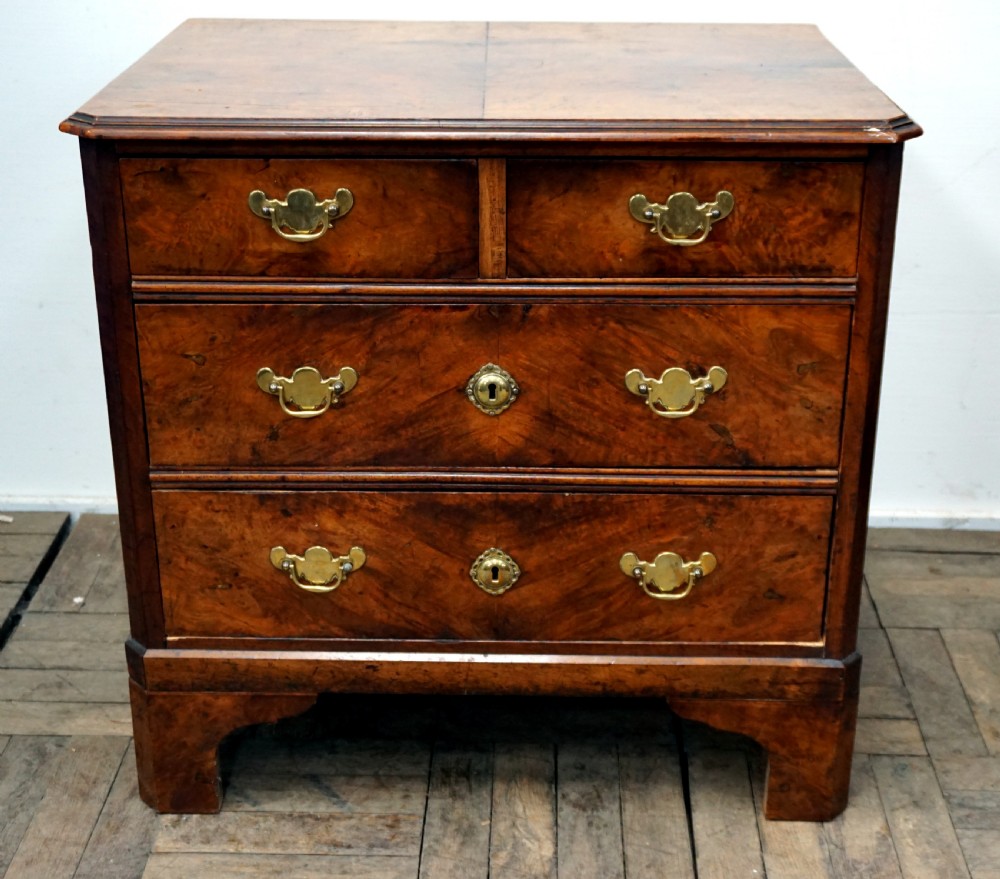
[790, 849]
[859, 842]
[946, 721]
[723, 814]
[420, 788]
[921, 827]
[523, 829]
[55, 840]
[456, 829]
[589, 811]
[975, 655]
[28, 544]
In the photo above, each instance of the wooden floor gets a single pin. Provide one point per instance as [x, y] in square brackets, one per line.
[387, 788]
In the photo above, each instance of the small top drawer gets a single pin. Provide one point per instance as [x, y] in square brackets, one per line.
[403, 219]
[571, 219]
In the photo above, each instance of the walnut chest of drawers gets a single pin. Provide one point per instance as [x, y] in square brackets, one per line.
[467, 358]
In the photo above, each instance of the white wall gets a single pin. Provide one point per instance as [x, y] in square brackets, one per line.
[938, 457]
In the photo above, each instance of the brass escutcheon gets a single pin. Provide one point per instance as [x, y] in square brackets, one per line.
[306, 394]
[675, 394]
[301, 213]
[494, 571]
[317, 569]
[683, 215]
[668, 572]
[492, 389]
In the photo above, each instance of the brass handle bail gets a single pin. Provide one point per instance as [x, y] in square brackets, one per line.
[317, 569]
[668, 576]
[301, 213]
[676, 393]
[682, 216]
[306, 394]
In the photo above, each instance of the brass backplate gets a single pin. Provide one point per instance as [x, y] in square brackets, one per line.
[492, 389]
[494, 571]
[668, 576]
[677, 221]
[317, 569]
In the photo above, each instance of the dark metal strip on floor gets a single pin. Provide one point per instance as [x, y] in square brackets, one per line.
[8, 626]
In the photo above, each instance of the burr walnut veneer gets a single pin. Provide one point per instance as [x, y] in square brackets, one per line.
[508, 358]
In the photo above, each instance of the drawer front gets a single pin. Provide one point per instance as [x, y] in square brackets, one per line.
[779, 407]
[218, 578]
[569, 219]
[409, 219]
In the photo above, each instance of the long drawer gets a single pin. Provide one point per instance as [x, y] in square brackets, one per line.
[221, 558]
[751, 385]
[572, 219]
[406, 219]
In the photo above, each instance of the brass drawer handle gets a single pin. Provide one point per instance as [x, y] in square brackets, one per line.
[300, 212]
[317, 569]
[675, 394]
[667, 573]
[306, 390]
[677, 220]
[494, 571]
[492, 389]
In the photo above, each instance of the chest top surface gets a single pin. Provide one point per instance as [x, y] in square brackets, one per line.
[251, 78]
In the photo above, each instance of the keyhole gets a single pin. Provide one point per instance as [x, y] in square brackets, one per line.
[492, 388]
[495, 571]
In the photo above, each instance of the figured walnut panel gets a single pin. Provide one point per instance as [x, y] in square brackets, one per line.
[411, 219]
[235, 78]
[409, 408]
[780, 408]
[570, 219]
[218, 580]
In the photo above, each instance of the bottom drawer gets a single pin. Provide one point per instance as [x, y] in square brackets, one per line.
[219, 579]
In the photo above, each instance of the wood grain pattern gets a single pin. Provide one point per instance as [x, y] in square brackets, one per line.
[861, 394]
[27, 766]
[975, 655]
[85, 564]
[66, 816]
[523, 831]
[723, 822]
[232, 832]
[571, 220]
[809, 749]
[925, 840]
[411, 219]
[492, 218]
[371, 755]
[791, 849]
[456, 832]
[932, 590]
[946, 721]
[859, 841]
[438, 127]
[422, 672]
[877, 735]
[67, 719]
[122, 382]
[23, 653]
[525, 80]
[654, 816]
[170, 865]
[177, 741]
[420, 547]
[589, 808]
[123, 835]
[780, 407]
